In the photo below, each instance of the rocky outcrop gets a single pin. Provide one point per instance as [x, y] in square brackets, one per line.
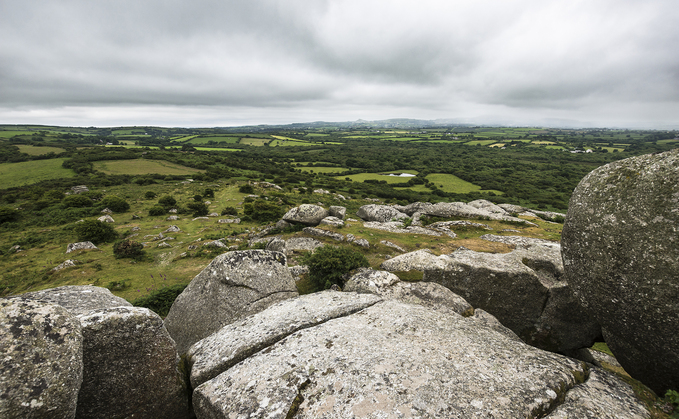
[234, 285]
[307, 214]
[392, 360]
[79, 299]
[390, 287]
[525, 290]
[65, 264]
[130, 367]
[293, 244]
[41, 364]
[106, 219]
[621, 255]
[235, 342]
[398, 227]
[380, 213]
[418, 260]
[332, 222]
[319, 232]
[72, 247]
[337, 211]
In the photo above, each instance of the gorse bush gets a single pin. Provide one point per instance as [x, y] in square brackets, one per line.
[95, 231]
[329, 264]
[128, 249]
[167, 202]
[230, 211]
[246, 189]
[157, 211]
[263, 211]
[115, 203]
[198, 209]
[77, 201]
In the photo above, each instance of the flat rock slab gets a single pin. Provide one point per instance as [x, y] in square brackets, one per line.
[235, 342]
[418, 260]
[79, 299]
[392, 360]
[41, 366]
[398, 227]
[307, 214]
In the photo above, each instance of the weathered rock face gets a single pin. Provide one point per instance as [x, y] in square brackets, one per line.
[525, 291]
[621, 255]
[308, 214]
[234, 285]
[390, 287]
[72, 247]
[79, 299]
[380, 213]
[392, 360]
[41, 366]
[418, 260]
[130, 367]
[332, 221]
[337, 211]
[319, 232]
[235, 342]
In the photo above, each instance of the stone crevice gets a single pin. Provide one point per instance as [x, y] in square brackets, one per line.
[562, 392]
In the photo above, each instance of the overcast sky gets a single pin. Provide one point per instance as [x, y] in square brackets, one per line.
[604, 63]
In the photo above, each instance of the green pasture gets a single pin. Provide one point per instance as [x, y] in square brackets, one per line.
[38, 151]
[183, 138]
[288, 143]
[218, 139]
[151, 147]
[360, 177]
[28, 172]
[497, 145]
[667, 141]
[142, 167]
[554, 147]
[481, 142]
[312, 134]
[9, 134]
[543, 142]
[258, 142]
[217, 149]
[451, 183]
[612, 149]
[324, 169]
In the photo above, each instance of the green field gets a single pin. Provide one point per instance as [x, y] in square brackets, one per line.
[451, 183]
[324, 169]
[8, 134]
[142, 167]
[481, 142]
[255, 141]
[37, 151]
[26, 173]
[217, 139]
[377, 176]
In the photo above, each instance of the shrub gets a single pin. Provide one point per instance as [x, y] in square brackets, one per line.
[263, 211]
[8, 215]
[329, 264]
[77, 201]
[150, 195]
[167, 202]
[198, 209]
[230, 211]
[209, 193]
[53, 195]
[157, 211]
[128, 249]
[246, 189]
[161, 300]
[95, 231]
[198, 198]
[115, 203]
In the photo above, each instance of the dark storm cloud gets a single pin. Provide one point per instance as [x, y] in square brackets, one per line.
[228, 62]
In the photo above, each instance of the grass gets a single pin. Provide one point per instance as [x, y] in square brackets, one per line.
[37, 151]
[452, 183]
[481, 142]
[324, 169]
[142, 167]
[255, 141]
[380, 177]
[29, 172]
[218, 139]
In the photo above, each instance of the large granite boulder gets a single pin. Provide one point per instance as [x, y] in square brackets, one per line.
[621, 255]
[79, 299]
[418, 260]
[380, 213]
[307, 214]
[525, 290]
[234, 285]
[235, 342]
[41, 365]
[130, 367]
[462, 210]
[390, 287]
[392, 360]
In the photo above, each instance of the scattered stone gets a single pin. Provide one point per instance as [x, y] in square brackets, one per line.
[172, 218]
[200, 219]
[136, 229]
[66, 264]
[363, 243]
[106, 219]
[235, 342]
[321, 191]
[380, 213]
[164, 244]
[79, 189]
[215, 243]
[397, 227]
[172, 229]
[130, 367]
[173, 211]
[621, 254]
[213, 214]
[41, 367]
[192, 247]
[233, 286]
[392, 245]
[337, 211]
[318, 232]
[72, 247]
[106, 211]
[229, 221]
[332, 222]
[307, 214]
[487, 205]
[135, 217]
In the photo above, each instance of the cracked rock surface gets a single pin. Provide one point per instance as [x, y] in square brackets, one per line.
[79, 299]
[392, 360]
[234, 285]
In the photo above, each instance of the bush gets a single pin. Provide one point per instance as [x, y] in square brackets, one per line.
[150, 195]
[198, 198]
[246, 189]
[157, 211]
[128, 249]
[167, 202]
[95, 231]
[115, 203]
[328, 265]
[53, 195]
[230, 211]
[209, 193]
[8, 215]
[77, 201]
[160, 301]
[263, 211]
[198, 209]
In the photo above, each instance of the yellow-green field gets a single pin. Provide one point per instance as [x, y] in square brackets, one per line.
[324, 169]
[25, 173]
[142, 167]
[450, 183]
[8, 134]
[217, 139]
[255, 141]
[37, 151]
[377, 176]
